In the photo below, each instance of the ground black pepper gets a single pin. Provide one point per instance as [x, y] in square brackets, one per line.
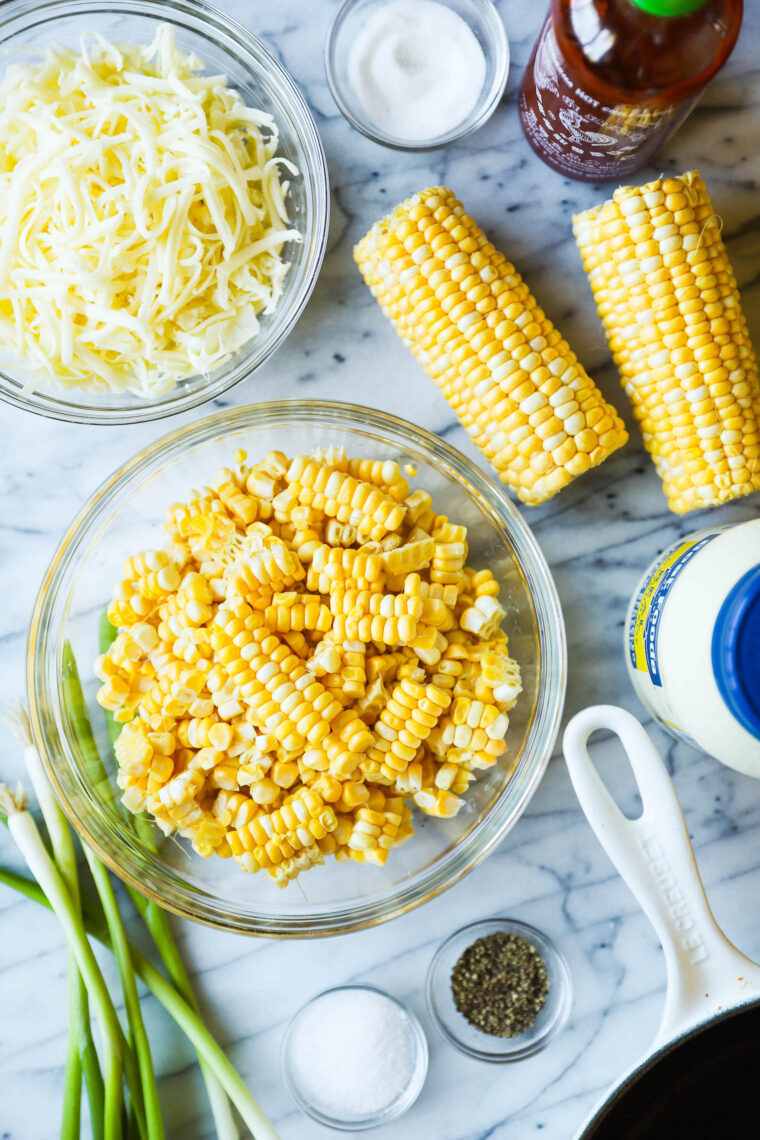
[500, 984]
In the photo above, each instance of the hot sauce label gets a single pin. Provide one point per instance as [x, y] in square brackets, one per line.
[572, 127]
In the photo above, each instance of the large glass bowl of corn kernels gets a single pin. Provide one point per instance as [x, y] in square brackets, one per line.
[126, 515]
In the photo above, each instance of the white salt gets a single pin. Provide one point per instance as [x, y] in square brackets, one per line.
[352, 1053]
[417, 69]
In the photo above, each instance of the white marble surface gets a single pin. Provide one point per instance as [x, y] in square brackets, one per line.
[598, 536]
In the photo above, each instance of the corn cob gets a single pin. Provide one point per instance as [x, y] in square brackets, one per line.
[668, 300]
[472, 323]
[368, 628]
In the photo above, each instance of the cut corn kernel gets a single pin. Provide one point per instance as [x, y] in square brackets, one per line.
[288, 674]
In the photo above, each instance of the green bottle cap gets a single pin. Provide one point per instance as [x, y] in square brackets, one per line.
[669, 7]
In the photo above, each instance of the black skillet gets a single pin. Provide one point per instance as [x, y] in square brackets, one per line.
[702, 1077]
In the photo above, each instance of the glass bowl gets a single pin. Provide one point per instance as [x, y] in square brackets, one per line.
[125, 516]
[391, 1111]
[229, 49]
[483, 1046]
[482, 18]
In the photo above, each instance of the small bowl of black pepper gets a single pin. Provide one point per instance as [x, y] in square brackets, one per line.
[499, 990]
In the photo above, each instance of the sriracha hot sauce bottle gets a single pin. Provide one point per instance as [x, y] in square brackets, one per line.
[609, 81]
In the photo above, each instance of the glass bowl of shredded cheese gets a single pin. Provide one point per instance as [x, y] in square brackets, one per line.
[163, 207]
[357, 830]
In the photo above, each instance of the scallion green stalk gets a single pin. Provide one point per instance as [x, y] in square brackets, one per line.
[27, 838]
[154, 1125]
[206, 1047]
[157, 922]
[90, 1062]
[81, 1044]
[176, 1006]
[137, 1070]
[24, 886]
[71, 1118]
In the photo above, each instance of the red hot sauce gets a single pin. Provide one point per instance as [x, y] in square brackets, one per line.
[609, 81]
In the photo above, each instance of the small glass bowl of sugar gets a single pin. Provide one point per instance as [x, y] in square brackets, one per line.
[417, 74]
[354, 1057]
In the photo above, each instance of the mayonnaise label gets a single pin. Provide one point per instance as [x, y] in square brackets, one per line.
[647, 609]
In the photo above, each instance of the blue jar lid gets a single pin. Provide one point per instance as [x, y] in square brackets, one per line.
[736, 651]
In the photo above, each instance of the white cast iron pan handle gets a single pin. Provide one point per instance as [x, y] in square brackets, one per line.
[653, 853]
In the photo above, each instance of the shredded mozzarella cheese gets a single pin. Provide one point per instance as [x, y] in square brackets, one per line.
[142, 217]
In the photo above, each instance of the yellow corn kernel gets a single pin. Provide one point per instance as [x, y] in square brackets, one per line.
[383, 665]
[328, 787]
[438, 802]
[352, 794]
[419, 507]
[483, 618]
[411, 556]
[369, 706]
[326, 659]
[285, 773]
[339, 534]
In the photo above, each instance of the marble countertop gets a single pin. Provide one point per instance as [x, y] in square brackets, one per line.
[598, 536]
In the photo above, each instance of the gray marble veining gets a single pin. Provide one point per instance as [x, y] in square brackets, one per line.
[598, 536]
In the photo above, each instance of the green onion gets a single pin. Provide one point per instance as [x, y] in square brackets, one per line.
[71, 1120]
[153, 1122]
[29, 842]
[175, 1005]
[157, 923]
[82, 1058]
[93, 1077]
[24, 886]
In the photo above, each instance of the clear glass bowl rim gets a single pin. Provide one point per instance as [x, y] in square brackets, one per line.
[397, 1108]
[485, 107]
[20, 15]
[44, 653]
[564, 1001]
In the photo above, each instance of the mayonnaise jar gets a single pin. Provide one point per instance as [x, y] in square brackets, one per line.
[693, 642]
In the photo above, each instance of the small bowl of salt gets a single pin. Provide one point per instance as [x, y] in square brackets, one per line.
[354, 1057]
[417, 74]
